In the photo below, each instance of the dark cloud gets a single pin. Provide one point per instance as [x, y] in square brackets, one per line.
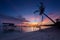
[8, 19]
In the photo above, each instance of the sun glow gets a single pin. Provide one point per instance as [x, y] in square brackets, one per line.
[33, 23]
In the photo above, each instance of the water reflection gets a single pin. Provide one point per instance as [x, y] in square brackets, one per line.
[30, 29]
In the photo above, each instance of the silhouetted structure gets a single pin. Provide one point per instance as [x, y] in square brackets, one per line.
[8, 27]
[57, 24]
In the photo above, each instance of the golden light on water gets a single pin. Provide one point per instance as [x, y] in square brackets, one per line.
[32, 26]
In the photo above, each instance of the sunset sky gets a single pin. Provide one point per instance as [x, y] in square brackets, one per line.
[25, 8]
